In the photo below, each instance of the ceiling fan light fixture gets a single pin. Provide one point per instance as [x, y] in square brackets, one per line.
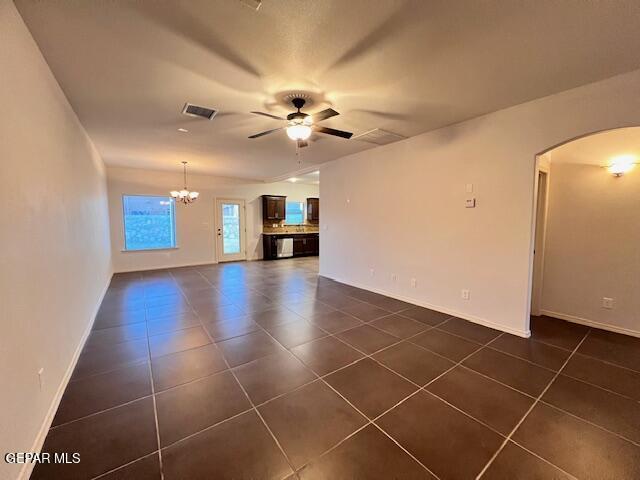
[298, 132]
[300, 124]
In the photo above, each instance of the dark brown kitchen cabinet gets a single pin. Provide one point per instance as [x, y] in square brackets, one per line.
[313, 245]
[299, 246]
[304, 244]
[313, 209]
[273, 207]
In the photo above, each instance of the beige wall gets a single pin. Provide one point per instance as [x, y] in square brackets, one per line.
[54, 238]
[194, 222]
[592, 246]
[399, 209]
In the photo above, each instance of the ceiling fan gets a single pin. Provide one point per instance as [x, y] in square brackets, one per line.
[300, 125]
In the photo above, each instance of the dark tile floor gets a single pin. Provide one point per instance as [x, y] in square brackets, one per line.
[263, 370]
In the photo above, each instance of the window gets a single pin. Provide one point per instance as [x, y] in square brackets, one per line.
[294, 213]
[149, 222]
[230, 228]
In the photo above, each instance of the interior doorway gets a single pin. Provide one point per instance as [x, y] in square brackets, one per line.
[585, 235]
[230, 230]
[540, 230]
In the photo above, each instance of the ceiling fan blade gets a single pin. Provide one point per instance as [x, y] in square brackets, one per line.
[324, 114]
[302, 144]
[268, 115]
[266, 133]
[333, 131]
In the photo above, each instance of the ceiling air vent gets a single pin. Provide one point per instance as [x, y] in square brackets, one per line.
[254, 4]
[196, 111]
[379, 137]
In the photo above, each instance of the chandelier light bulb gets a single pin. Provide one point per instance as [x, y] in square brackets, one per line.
[185, 196]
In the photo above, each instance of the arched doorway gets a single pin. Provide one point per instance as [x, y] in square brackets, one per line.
[585, 258]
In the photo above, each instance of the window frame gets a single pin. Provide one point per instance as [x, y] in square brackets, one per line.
[303, 211]
[124, 227]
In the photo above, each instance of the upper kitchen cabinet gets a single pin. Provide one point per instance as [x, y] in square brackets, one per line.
[313, 209]
[273, 207]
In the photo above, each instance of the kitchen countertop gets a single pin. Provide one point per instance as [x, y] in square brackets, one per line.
[290, 233]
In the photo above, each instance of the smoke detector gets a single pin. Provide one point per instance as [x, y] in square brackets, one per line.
[379, 136]
[198, 111]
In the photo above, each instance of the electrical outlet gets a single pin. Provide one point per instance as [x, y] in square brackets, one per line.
[465, 294]
[372, 272]
[414, 283]
[41, 378]
[394, 277]
[607, 303]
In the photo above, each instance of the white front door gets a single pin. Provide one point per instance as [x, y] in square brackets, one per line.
[230, 230]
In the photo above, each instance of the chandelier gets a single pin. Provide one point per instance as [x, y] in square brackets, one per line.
[184, 195]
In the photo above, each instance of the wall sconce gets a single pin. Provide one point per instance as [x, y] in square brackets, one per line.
[621, 165]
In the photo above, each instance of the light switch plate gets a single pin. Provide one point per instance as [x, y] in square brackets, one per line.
[470, 203]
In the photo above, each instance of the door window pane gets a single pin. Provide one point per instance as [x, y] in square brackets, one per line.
[294, 213]
[149, 222]
[230, 228]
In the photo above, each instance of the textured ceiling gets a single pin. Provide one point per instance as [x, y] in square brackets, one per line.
[128, 67]
[599, 149]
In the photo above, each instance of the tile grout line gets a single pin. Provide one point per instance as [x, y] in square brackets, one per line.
[543, 459]
[568, 352]
[253, 406]
[372, 421]
[119, 467]
[229, 368]
[599, 427]
[424, 387]
[514, 429]
[84, 417]
[341, 368]
[321, 379]
[550, 370]
[153, 392]
[421, 389]
[365, 355]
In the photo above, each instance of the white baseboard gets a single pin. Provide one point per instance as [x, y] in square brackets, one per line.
[177, 265]
[27, 468]
[448, 311]
[590, 323]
